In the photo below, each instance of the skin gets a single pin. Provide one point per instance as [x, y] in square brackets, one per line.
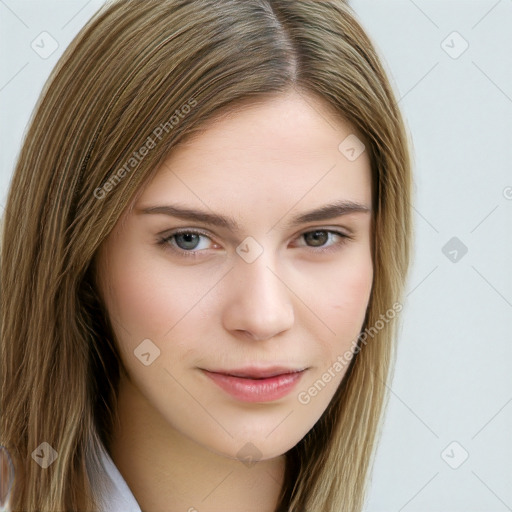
[179, 436]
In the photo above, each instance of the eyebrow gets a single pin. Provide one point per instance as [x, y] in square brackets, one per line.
[326, 212]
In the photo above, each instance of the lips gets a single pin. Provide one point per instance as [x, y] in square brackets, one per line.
[257, 384]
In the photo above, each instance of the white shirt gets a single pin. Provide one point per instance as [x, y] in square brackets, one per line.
[112, 490]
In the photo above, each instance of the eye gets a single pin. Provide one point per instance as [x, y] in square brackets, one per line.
[319, 238]
[188, 242]
[185, 242]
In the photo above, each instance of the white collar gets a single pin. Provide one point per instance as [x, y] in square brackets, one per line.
[112, 491]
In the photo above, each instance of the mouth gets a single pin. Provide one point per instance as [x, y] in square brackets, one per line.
[257, 384]
[259, 373]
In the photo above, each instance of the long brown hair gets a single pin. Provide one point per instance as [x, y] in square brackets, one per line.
[150, 74]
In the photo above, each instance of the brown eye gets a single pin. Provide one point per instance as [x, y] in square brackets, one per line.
[316, 238]
[323, 240]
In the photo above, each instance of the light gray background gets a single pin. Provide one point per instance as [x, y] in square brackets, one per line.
[453, 382]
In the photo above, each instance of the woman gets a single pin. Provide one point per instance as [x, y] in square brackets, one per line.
[205, 244]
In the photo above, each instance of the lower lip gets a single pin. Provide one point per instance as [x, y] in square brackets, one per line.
[256, 390]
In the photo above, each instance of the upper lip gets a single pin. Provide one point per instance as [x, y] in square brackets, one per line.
[259, 372]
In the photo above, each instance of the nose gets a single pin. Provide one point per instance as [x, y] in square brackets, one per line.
[258, 303]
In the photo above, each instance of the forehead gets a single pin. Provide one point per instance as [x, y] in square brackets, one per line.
[280, 124]
[282, 151]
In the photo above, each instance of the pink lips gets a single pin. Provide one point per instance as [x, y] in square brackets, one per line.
[257, 385]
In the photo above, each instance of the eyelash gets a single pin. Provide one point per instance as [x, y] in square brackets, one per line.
[164, 242]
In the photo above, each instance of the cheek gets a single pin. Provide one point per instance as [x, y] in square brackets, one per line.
[137, 300]
[351, 293]
[148, 296]
[344, 296]
[343, 303]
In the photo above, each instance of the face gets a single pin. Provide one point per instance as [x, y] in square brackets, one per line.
[233, 304]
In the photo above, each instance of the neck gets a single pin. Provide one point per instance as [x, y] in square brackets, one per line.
[167, 471]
